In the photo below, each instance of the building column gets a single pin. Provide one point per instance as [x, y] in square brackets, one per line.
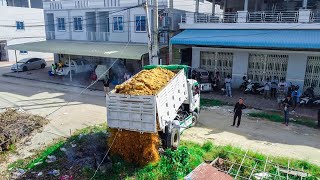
[197, 6]
[297, 69]
[29, 3]
[245, 8]
[213, 7]
[195, 57]
[305, 4]
[239, 67]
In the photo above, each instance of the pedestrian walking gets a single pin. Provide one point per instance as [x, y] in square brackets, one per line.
[295, 98]
[287, 103]
[267, 89]
[238, 112]
[274, 85]
[227, 83]
[281, 95]
[106, 84]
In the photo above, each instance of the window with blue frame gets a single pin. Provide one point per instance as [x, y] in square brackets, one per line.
[20, 25]
[23, 52]
[141, 24]
[118, 23]
[61, 24]
[77, 23]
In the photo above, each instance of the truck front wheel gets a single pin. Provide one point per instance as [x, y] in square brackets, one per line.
[195, 118]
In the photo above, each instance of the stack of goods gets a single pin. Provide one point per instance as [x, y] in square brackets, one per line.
[134, 146]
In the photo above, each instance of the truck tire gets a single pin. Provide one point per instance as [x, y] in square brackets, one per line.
[175, 138]
[195, 118]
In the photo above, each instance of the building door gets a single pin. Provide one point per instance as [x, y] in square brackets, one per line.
[217, 62]
[263, 66]
[3, 51]
[312, 77]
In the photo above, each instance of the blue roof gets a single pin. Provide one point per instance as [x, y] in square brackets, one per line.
[288, 39]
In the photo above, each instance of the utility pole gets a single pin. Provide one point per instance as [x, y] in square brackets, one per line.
[153, 32]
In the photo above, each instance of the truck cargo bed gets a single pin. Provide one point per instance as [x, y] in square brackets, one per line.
[140, 113]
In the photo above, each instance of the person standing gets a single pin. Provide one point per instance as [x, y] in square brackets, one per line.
[286, 105]
[227, 82]
[238, 112]
[295, 97]
[274, 85]
[106, 84]
[267, 89]
[281, 95]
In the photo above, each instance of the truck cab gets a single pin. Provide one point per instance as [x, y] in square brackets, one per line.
[203, 77]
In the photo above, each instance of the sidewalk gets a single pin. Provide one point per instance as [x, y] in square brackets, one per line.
[258, 102]
[78, 80]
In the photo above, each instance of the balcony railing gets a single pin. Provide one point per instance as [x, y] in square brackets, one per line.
[50, 35]
[98, 36]
[304, 16]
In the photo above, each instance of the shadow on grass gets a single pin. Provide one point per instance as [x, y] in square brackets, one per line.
[211, 102]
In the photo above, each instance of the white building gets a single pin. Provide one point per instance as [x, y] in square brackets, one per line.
[104, 30]
[255, 38]
[21, 23]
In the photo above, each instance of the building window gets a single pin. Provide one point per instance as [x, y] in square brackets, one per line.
[140, 23]
[61, 24]
[20, 25]
[23, 52]
[118, 23]
[77, 23]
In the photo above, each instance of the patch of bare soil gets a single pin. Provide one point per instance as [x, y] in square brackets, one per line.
[15, 125]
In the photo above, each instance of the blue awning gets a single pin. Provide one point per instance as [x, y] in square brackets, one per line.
[269, 39]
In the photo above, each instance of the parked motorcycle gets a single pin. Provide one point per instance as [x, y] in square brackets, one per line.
[244, 84]
[254, 88]
[308, 98]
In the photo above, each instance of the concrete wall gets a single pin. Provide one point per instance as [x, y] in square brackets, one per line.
[30, 17]
[141, 37]
[297, 68]
[295, 71]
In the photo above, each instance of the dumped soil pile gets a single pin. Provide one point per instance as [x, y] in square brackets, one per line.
[147, 82]
[15, 125]
[134, 146]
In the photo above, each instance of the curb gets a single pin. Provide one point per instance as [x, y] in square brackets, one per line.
[40, 80]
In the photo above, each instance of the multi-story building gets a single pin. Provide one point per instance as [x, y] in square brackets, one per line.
[259, 39]
[104, 30]
[20, 22]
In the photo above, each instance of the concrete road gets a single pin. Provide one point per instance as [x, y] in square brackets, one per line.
[70, 111]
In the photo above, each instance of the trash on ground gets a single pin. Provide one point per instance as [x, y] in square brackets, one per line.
[54, 172]
[18, 173]
[66, 177]
[261, 175]
[51, 159]
[37, 163]
[63, 149]
[39, 174]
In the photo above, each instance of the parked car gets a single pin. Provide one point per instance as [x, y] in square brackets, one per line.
[29, 64]
[77, 66]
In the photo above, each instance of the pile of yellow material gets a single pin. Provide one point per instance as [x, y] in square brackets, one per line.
[134, 146]
[147, 82]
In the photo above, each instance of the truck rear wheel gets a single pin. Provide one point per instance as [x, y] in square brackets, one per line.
[175, 138]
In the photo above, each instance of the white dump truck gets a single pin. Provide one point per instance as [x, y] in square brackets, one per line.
[175, 108]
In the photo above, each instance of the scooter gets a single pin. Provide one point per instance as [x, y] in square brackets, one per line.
[308, 101]
[254, 88]
[244, 84]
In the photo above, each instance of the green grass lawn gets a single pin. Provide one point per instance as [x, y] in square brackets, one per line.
[173, 164]
[210, 102]
[277, 117]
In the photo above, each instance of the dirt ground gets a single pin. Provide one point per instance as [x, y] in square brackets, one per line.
[258, 102]
[276, 139]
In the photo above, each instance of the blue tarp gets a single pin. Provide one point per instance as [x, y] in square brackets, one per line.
[278, 39]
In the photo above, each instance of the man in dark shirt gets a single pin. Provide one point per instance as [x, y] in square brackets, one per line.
[238, 112]
[286, 104]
